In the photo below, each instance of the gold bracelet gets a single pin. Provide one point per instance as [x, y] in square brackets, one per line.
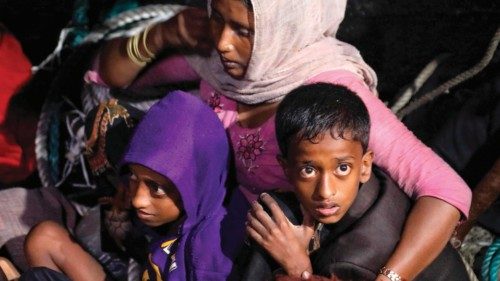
[137, 52]
[130, 52]
[145, 33]
[389, 273]
[134, 52]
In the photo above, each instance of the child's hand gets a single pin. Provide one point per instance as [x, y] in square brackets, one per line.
[285, 242]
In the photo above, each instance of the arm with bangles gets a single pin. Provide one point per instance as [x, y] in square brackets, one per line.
[441, 196]
[187, 32]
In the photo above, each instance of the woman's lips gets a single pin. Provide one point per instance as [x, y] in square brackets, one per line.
[229, 64]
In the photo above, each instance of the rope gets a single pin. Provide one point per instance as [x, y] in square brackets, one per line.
[490, 51]
[422, 77]
[491, 262]
[141, 17]
[41, 151]
[469, 269]
[495, 266]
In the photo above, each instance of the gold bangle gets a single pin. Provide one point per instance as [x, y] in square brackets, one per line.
[145, 33]
[392, 275]
[137, 52]
[130, 52]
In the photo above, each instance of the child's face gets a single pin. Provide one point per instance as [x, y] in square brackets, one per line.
[155, 199]
[326, 174]
[232, 28]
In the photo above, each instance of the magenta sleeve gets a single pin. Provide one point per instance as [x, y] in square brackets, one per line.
[172, 69]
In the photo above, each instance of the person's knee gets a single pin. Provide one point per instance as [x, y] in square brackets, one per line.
[43, 237]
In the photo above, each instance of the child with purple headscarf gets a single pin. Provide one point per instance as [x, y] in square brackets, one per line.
[177, 163]
[178, 158]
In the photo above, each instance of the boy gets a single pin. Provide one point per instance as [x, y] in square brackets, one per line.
[352, 218]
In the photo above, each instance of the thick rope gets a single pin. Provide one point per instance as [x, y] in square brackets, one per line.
[468, 269]
[413, 88]
[490, 51]
[495, 266]
[141, 17]
[491, 262]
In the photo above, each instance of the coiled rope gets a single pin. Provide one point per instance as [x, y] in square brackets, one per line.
[491, 262]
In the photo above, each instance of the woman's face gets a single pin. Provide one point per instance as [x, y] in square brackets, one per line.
[232, 28]
[154, 197]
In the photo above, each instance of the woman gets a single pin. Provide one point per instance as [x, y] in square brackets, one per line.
[265, 49]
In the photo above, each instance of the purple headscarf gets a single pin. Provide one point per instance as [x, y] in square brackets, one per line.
[182, 139]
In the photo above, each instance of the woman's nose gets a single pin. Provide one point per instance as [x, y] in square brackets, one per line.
[225, 44]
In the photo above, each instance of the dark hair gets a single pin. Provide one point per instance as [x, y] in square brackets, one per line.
[248, 4]
[311, 110]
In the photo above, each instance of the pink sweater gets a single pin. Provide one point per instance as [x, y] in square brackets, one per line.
[415, 167]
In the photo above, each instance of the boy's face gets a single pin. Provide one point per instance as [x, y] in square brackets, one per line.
[326, 174]
[155, 198]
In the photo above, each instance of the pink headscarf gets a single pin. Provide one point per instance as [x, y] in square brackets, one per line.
[294, 40]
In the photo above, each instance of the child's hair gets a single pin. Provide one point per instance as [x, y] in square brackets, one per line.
[313, 109]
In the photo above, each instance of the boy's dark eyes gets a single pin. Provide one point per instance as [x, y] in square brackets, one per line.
[307, 171]
[343, 169]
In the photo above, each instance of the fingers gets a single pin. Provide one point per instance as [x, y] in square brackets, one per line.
[276, 211]
[255, 223]
[259, 214]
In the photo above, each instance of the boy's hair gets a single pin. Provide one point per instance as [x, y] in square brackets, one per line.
[313, 109]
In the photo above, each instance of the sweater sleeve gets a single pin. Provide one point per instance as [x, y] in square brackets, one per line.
[414, 166]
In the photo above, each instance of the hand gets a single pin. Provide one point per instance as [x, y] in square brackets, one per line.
[188, 30]
[285, 242]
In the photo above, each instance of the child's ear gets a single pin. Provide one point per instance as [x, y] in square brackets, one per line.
[366, 166]
[284, 165]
